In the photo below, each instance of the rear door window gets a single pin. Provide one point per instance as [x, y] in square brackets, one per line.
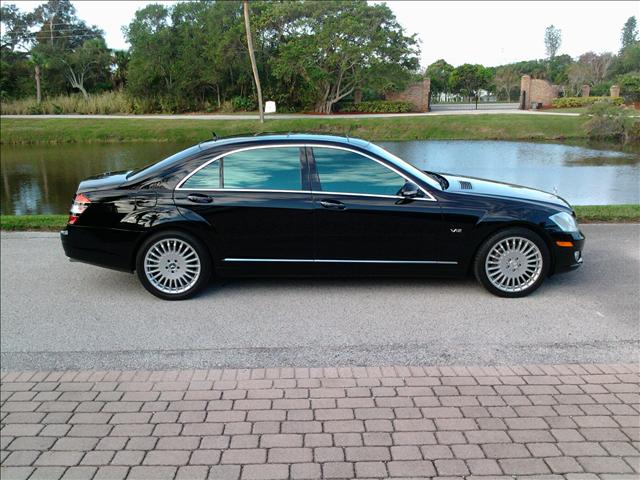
[271, 168]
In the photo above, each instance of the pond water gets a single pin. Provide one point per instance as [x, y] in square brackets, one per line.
[43, 179]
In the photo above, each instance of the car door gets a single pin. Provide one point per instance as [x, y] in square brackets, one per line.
[257, 201]
[360, 217]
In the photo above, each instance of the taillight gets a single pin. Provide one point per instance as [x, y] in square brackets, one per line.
[80, 204]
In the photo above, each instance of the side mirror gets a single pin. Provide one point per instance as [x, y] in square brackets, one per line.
[409, 190]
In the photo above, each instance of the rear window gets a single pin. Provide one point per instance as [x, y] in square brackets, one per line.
[158, 167]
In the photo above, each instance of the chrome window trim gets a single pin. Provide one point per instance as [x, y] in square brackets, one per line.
[308, 192]
[322, 260]
[205, 164]
[245, 190]
[428, 197]
[371, 195]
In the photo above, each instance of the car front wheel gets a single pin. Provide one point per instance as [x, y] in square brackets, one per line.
[512, 263]
[173, 265]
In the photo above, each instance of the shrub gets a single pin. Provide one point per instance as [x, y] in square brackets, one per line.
[375, 106]
[243, 104]
[576, 102]
[630, 87]
[608, 121]
[601, 90]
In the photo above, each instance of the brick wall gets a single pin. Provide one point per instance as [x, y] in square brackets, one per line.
[417, 94]
[537, 91]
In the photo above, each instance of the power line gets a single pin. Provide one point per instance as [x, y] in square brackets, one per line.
[95, 35]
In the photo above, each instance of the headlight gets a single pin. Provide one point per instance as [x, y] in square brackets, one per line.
[565, 221]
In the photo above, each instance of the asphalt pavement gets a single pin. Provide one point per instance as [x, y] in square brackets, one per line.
[61, 315]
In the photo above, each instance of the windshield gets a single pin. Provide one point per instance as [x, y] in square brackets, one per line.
[162, 164]
[404, 165]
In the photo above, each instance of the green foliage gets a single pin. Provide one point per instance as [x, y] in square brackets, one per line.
[244, 104]
[468, 79]
[376, 106]
[629, 32]
[601, 89]
[628, 60]
[557, 69]
[576, 102]
[630, 87]
[69, 53]
[333, 47]
[608, 121]
[440, 74]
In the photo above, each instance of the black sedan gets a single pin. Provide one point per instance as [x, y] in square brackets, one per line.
[302, 204]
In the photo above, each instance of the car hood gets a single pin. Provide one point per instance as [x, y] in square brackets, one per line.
[104, 181]
[480, 186]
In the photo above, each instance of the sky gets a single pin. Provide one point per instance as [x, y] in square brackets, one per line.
[490, 33]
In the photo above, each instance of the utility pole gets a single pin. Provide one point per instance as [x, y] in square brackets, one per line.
[252, 55]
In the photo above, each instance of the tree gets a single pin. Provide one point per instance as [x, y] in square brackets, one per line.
[469, 79]
[59, 40]
[252, 56]
[628, 60]
[507, 78]
[552, 40]
[629, 32]
[590, 69]
[184, 55]
[15, 42]
[16, 27]
[557, 71]
[152, 68]
[334, 47]
[439, 72]
[82, 63]
[119, 62]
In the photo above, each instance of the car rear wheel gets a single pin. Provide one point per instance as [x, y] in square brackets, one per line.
[512, 263]
[173, 265]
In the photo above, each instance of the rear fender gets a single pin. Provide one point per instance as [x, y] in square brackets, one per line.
[169, 218]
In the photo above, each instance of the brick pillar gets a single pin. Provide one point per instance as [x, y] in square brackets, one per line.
[586, 90]
[425, 99]
[357, 96]
[614, 91]
[525, 92]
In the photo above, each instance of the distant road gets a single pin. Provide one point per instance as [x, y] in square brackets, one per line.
[61, 315]
[288, 116]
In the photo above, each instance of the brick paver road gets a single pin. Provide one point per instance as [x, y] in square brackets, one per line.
[551, 422]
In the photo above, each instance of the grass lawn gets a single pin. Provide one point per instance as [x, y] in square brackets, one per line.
[586, 214]
[472, 127]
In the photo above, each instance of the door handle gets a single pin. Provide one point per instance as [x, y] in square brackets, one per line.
[333, 204]
[199, 198]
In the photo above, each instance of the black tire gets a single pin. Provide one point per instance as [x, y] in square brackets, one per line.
[200, 250]
[480, 261]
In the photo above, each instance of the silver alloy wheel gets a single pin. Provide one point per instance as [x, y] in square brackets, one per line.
[514, 264]
[172, 265]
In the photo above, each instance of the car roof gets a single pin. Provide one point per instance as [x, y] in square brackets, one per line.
[263, 138]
